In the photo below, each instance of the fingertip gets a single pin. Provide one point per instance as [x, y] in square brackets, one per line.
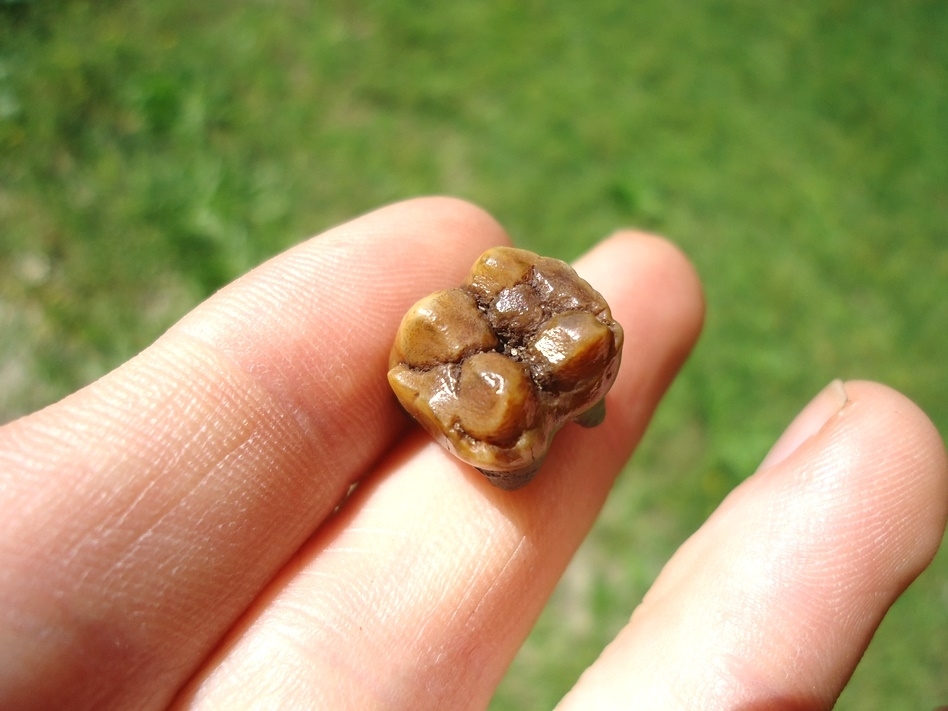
[873, 471]
[828, 402]
[897, 439]
[449, 212]
[655, 294]
[813, 549]
[443, 234]
[661, 268]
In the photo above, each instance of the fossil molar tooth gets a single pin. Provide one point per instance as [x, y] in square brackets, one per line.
[494, 368]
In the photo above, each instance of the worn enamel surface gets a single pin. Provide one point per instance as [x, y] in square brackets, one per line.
[494, 368]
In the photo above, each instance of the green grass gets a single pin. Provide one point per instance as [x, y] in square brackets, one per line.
[150, 152]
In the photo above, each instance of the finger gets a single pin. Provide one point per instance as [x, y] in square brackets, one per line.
[422, 590]
[139, 517]
[772, 603]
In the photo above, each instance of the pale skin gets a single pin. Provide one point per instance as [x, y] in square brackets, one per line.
[167, 536]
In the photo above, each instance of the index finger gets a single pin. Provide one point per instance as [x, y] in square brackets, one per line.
[140, 516]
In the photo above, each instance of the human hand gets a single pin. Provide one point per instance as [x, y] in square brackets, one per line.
[168, 535]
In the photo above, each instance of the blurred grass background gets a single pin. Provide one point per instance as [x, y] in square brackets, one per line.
[152, 151]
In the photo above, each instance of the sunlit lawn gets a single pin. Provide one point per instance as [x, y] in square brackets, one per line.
[151, 152]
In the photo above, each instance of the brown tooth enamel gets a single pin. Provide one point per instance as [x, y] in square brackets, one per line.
[494, 368]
